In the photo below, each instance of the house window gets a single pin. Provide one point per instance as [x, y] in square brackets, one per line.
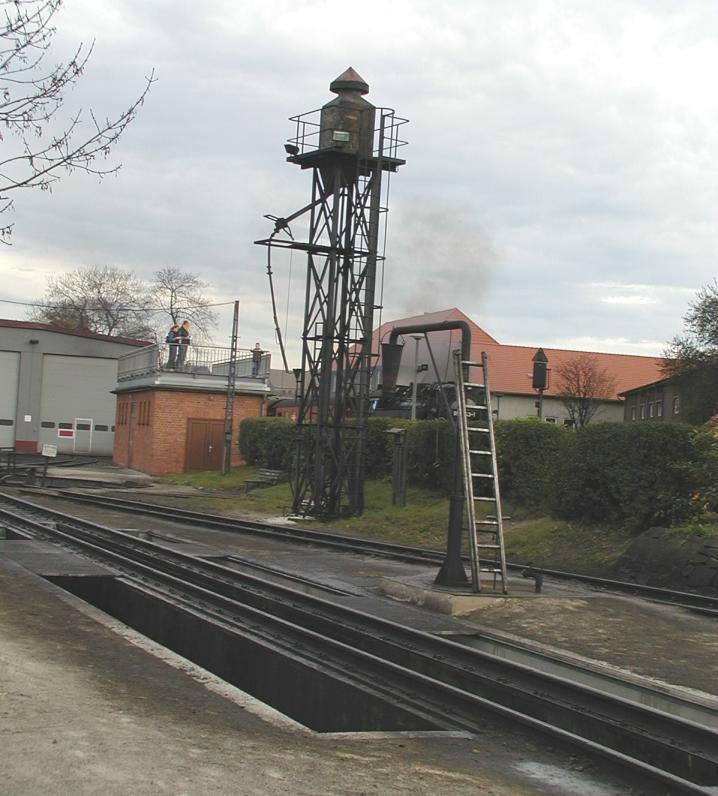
[568, 422]
[551, 420]
[64, 425]
[650, 409]
[47, 424]
[659, 408]
[100, 428]
[633, 413]
[677, 405]
[643, 411]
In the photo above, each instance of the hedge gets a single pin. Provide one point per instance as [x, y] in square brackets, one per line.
[529, 452]
[637, 475]
[630, 474]
[270, 442]
[267, 441]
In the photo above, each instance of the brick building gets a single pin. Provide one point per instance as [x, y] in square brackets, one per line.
[172, 420]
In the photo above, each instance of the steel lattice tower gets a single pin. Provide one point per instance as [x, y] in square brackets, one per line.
[348, 144]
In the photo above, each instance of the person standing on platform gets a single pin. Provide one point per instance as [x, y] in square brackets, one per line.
[256, 359]
[171, 341]
[183, 340]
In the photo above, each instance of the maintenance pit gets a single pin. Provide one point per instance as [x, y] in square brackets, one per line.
[104, 708]
[309, 694]
[359, 575]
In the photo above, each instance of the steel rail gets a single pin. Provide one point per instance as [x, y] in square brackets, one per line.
[401, 645]
[695, 602]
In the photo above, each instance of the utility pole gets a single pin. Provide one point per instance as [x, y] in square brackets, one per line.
[416, 337]
[229, 406]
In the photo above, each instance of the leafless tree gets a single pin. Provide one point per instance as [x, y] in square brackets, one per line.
[101, 299]
[582, 384]
[32, 94]
[178, 296]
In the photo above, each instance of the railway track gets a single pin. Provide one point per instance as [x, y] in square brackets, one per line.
[430, 681]
[698, 603]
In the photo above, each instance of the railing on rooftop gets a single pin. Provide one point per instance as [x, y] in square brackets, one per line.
[193, 360]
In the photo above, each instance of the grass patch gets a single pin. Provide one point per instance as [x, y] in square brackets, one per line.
[211, 479]
[421, 523]
[544, 541]
[555, 544]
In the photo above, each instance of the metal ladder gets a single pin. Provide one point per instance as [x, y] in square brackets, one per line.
[480, 471]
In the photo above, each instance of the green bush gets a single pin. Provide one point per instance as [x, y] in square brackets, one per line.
[378, 455]
[270, 442]
[267, 441]
[529, 452]
[637, 474]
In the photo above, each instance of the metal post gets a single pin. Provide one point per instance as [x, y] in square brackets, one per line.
[229, 405]
[398, 467]
[539, 378]
[416, 337]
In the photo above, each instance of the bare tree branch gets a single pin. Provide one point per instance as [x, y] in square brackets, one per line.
[30, 99]
[178, 296]
[101, 299]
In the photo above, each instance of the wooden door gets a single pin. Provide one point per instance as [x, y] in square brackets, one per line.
[205, 439]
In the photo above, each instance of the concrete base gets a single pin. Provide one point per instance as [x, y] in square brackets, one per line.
[457, 601]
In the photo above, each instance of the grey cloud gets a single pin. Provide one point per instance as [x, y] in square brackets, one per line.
[550, 147]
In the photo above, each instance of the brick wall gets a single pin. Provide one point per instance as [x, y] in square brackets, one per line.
[154, 438]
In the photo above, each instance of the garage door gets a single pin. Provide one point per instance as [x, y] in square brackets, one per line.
[10, 371]
[77, 408]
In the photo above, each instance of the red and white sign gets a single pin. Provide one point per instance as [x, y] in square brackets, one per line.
[66, 433]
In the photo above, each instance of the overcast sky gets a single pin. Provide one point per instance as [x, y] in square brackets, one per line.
[560, 185]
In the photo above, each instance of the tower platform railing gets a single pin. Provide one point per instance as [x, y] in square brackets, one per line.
[208, 361]
[307, 133]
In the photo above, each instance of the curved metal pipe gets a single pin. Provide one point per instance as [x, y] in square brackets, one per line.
[442, 326]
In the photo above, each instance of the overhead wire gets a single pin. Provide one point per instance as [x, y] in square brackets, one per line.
[100, 309]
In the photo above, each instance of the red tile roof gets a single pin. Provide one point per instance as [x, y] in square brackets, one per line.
[510, 366]
[49, 327]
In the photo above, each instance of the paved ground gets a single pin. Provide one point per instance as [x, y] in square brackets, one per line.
[88, 706]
